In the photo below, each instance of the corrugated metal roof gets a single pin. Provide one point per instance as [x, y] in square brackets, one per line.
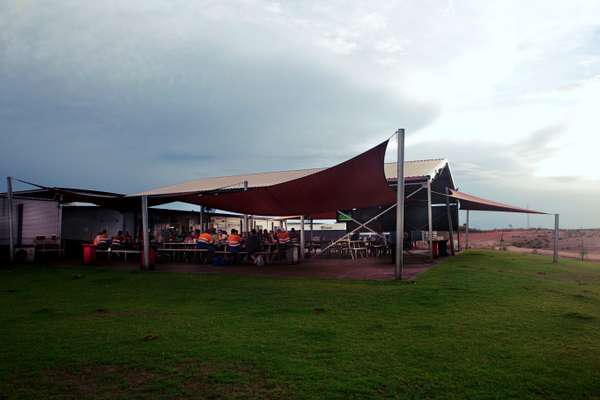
[416, 168]
[412, 169]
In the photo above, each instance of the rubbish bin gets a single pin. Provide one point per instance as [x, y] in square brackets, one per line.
[151, 259]
[436, 248]
[89, 254]
[292, 254]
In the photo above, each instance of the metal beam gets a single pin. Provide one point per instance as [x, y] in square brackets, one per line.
[358, 222]
[450, 233]
[11, 239]
[362, 225]
[423, 186]
[556, 237]
[400, 206]
[430, 219]
[145, 233]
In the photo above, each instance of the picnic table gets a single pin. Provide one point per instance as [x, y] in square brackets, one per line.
[183, 248]
[117, 250]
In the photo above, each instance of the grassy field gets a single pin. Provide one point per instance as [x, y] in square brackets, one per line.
[481, 325]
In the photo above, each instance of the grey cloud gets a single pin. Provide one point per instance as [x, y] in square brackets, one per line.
[120, 107]
[540, 144]
[504, 172]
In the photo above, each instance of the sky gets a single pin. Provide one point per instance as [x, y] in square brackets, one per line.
[127, 96]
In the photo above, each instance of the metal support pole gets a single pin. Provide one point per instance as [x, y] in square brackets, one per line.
[467, 232]
[202, 219]
[59, 222]
[556, 236]
[458, 227]
[246, 230]
[145, 233]
[430, 219]
[450, 230]
[302, 238]
[400, 206]
[11, 238]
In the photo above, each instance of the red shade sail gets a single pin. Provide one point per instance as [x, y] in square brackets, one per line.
[357, 183]
[470, 202]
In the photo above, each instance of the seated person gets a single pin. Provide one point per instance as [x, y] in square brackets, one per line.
[215, 235]
[252, 244]
[118, 240]
[294, 235]
[223, 236]
[283, 238]
[272, 237]
[190, 237]
[205, 241]
[283, 242]
[127, 239]
[234, 241]
[101, 239]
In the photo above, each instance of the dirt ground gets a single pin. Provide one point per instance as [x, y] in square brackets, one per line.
[371, 268]
[573, 243]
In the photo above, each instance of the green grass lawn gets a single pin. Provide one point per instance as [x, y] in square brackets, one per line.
[481, 325]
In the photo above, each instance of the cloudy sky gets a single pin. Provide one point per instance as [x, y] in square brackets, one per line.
[126, 96]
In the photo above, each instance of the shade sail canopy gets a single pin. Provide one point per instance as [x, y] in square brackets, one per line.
[413, 170]
[69, 195]
[356, 183]
[470, 202]
[363, 181]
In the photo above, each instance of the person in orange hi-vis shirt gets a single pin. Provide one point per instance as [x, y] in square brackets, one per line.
[101, 238]
[234, 241]
[204, 241]
[283, 240]
[282, 236]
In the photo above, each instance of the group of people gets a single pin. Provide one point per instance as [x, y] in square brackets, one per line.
[214, 237]
[251, 243]
[120, 239]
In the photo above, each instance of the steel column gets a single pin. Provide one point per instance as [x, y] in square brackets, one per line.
[202, 219]
[458, 225]
[450, 233]
[59, 223]
[145, 233]
[245, 229]
[400, 205]
[430, 219]
[11, 238]
[556, 237]
[302, 238]
[467, 232]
